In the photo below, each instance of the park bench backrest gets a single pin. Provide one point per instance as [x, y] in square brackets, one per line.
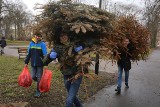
[22, 52]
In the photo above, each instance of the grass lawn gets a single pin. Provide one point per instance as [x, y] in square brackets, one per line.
[14, 42]
[10, 92]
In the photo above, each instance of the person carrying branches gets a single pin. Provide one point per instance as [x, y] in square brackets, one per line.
[65, 52]
[123, 55]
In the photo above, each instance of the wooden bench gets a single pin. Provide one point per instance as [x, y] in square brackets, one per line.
[22, 52]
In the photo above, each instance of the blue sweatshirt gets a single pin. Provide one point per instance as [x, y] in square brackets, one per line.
[36, 52]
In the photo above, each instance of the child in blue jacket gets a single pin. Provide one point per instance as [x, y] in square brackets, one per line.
[36, 52]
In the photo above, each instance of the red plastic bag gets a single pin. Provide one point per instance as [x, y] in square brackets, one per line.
[24, 78]
[45, 82]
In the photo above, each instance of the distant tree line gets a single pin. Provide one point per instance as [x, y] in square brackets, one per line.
[149, 15]
[152, 16]
[14, 19]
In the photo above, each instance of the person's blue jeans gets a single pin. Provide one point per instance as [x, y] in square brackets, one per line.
[36, 74]
[72, 89]
[120, 73]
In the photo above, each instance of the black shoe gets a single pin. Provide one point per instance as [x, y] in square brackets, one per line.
[118, 90]
[126, 85]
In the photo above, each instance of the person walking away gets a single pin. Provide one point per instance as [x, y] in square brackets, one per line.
[124, 63]
[2, 44]
[68, 67]
[36, 52]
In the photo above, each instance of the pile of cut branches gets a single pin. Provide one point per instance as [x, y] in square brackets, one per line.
[83, 23]
[129, 27]
[99, 30]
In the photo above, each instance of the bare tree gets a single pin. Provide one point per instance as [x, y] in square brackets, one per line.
[152, 16]
[3, 9]
[15, 19]
[0, 6]
[124, 10]
[0, 16]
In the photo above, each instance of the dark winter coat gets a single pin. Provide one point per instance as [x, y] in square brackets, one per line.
[68, 65]
[3, 43]
[125, 57]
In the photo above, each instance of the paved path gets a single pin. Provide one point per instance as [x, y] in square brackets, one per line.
[105, 66]
[144, 88]
[12, 50]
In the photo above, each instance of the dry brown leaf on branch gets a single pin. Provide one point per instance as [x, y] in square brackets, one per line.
[83, 29]
[77, 30]
[88, 27]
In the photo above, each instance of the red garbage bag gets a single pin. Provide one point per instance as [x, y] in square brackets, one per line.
[24, 78]
[45, 82]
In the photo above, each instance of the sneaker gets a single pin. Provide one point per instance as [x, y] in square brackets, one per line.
[126, 85]
[37, 94]
[118, 90]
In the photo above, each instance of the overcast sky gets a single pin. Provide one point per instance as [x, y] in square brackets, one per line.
[30, 3]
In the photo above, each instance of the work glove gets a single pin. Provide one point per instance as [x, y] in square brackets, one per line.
[77, 49]
[53, 54]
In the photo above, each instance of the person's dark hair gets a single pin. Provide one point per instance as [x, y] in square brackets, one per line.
[127, 35]
[58, 32]
[38, 34]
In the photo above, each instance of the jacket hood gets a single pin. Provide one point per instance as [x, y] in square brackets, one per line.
[35, 40]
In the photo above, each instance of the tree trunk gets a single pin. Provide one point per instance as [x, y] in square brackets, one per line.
[100, 4]
[18, 30]
[97, 55]
[0, 15]
[97, 64]
[15, 32]
[0, 8]
[154, 29]
[7, 30]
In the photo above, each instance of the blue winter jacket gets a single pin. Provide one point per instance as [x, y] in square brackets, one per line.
[36, 52]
